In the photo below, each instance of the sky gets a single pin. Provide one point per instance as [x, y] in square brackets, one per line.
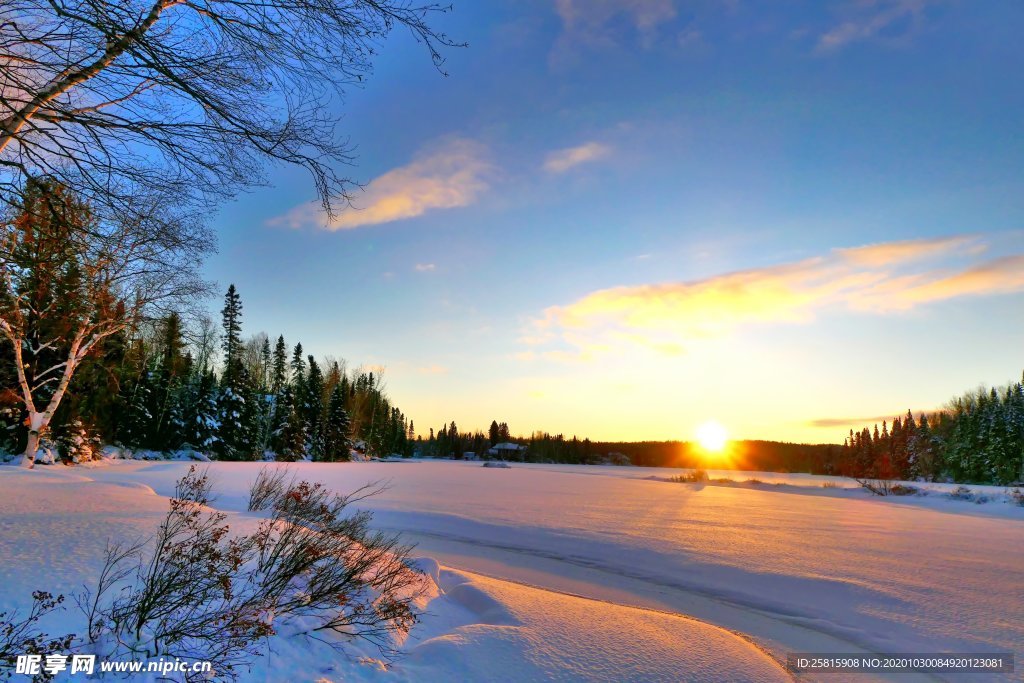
[620, 219]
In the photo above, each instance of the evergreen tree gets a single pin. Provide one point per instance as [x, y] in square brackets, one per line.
[280, 372]
[313, 410]
[922, 451]
[280, 425]
[454, 443]
[294, 437]
[137, 399]
[231, 317]
[336, 427]
[238, 413]
[173, 371]
[200, 414]
[298, 368]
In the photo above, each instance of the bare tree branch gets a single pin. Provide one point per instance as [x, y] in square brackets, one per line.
[114, 98]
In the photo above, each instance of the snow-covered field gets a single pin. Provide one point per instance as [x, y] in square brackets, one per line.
[554, 572]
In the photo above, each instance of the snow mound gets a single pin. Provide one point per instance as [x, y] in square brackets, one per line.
[429, 567]
[567, 638]
[482, 604]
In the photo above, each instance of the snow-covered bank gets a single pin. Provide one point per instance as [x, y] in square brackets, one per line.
[54, 523]
[839, 571]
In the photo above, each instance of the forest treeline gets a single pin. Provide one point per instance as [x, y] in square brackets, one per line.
[977, 437]
[164, 387]
[542, 447]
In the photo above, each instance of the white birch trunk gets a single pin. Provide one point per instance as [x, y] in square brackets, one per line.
[35, 427]
[38, 422]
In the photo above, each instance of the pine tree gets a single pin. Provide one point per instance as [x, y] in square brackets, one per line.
[200, 414]
[238, 413]
[298, 368]
[922, 449]
[137, 399]
[336, 427]
[454, 441]
[280, 426]
[313, 410]
[231, 316]
[175, 366]
[280, 372]
[294, 437]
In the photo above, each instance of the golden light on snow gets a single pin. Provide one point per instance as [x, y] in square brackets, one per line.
[712, 436]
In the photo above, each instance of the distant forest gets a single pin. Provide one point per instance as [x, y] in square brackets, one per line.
[542, 447]
[976, 438]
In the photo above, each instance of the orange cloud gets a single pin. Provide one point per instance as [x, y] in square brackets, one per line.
[878, 278]
[892, 253]
[562, 160]
[999, 276]
[450, 176]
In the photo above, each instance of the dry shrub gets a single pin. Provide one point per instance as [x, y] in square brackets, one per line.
[198, 593]
[694, 477]
[1017, 496]
[961, 493]
[269, 486]
[22, 636]
[879, 487]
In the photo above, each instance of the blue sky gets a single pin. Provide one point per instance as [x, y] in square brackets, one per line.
[622, 218]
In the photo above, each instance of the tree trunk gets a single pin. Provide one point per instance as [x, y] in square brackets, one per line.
[35, 427]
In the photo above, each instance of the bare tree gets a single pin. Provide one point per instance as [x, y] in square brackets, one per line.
[205, 342]
[192, 97]
[68, 280]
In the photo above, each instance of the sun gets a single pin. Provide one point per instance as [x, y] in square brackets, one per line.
[712, 436]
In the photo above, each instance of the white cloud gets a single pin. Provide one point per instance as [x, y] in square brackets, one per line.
[425, 267]
[448, 176]
[590, 20]
[562, 160]
[872, 19]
